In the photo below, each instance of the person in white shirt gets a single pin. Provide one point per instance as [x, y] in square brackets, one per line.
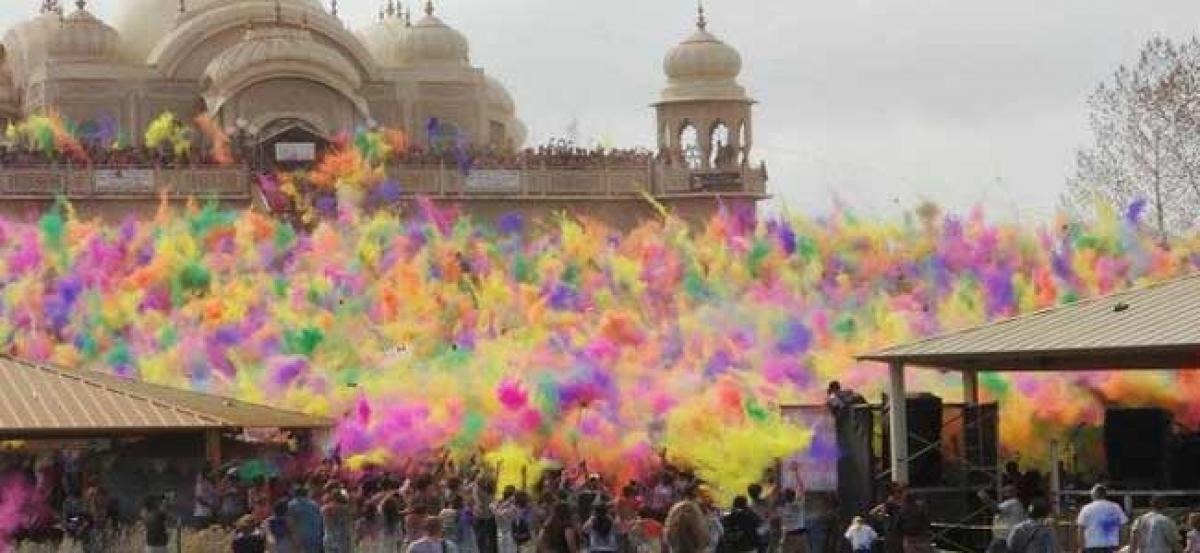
[431, 540]
[205, 493]
[793, 524]
[1154, 532]
[1100, 523]
[860, 536]
[1009, 513]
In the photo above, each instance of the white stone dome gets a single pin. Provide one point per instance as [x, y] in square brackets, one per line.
[702, 67]
[498, 95]
[142, 23]
[431, 41]
[291, 48]
[383, 38]
[8, 96]
[702, 57]
[83, 37]
[26, 44]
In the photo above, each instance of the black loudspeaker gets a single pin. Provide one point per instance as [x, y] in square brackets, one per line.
[1137, 446]
[1185, 457]
[981, 436]
[855, 457]
[924, 437]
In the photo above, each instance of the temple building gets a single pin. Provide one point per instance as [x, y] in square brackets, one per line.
[259, 65]
[288, 75]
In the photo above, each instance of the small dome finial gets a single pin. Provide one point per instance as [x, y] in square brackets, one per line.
[408, 17]
[182, 6]
[333, 8]
[701, 21]
[278, 12]
[80, 5]
[428, 7]
[391, 8]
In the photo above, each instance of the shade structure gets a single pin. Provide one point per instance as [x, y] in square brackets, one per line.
[1151, 327]
[39, 400]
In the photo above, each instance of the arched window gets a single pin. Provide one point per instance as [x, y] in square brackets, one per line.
[743, 144]
[720, 152]
[689, 144]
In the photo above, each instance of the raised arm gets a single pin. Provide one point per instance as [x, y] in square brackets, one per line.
[800, 489]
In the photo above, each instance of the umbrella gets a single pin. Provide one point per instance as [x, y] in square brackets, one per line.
[256, 468]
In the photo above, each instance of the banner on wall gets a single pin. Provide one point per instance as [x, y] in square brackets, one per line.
[295, 151]
[493, 181]
[819, 464]
[124, 181]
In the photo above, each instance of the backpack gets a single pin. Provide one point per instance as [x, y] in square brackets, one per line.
[1022, 545]
[733, 538]
[521, 531]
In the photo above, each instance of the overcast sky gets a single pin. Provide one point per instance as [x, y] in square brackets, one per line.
[881, 103]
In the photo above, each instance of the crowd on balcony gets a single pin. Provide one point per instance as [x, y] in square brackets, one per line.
[22, 156]
[554, 155]
[557, 154]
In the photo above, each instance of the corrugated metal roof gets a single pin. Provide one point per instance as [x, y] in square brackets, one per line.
[1157, 326]
[37, 398]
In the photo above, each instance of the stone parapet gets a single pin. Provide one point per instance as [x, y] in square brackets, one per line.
[223, 183]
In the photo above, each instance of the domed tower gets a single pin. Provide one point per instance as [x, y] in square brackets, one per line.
[10, 110]
[430, 42]
[704, 114]
[383, 37]
[82, 38]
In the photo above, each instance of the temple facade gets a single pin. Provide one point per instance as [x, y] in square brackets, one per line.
[261, 66]
[286, 75]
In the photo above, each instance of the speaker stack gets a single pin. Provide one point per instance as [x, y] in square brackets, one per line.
[1137, 446]
[924, 429]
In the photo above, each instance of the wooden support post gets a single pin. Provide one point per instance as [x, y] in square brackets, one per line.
[971, 388]
[212, 447]
[1055, 482]
[898, 422]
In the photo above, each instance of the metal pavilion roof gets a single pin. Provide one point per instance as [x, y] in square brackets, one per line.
[42, 400]
[1154, 327]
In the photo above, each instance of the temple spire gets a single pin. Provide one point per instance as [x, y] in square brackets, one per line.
[80, 5]
[278, 12]
[701, 20]
[428, 7]
[391, 8]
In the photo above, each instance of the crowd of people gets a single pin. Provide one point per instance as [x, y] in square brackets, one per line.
[1024, 526]
[553, 155]
[444, 510]
[439, 507]
[96, 155]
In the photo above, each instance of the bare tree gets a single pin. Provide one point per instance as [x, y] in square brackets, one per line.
[1146, 131]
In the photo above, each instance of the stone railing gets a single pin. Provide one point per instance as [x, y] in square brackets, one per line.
[448, 181]
[600, 182]
[231, 183]
[444, 181]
